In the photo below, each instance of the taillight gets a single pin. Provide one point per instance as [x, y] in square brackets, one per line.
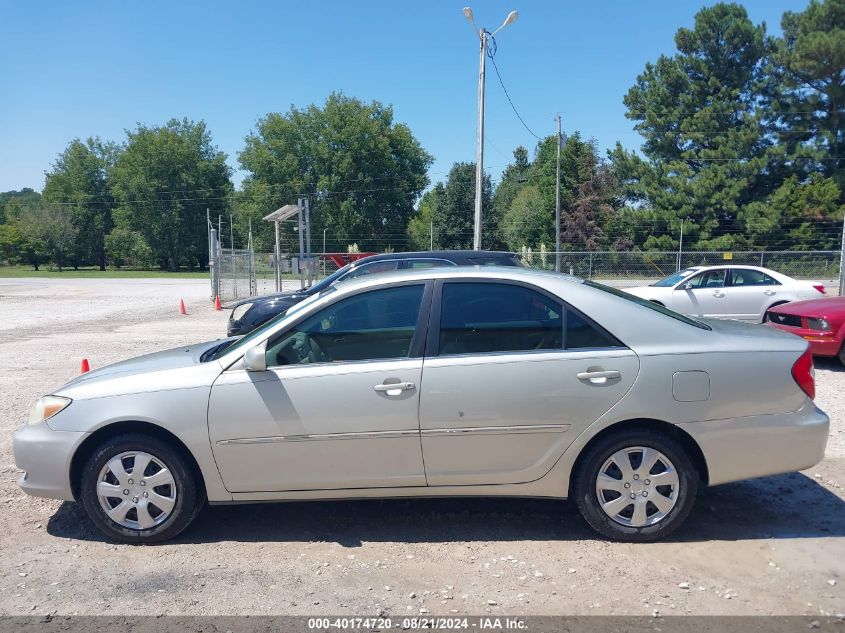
[819, 287]
[804, 374]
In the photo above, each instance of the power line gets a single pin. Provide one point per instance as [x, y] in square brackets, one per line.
[491, 54]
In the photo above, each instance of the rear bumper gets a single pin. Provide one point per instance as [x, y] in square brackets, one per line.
[757, 446]
[44, 455]
[821, 343]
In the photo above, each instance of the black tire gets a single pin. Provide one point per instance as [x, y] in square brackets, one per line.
[189, 494]
[842, 354]
[586, 496]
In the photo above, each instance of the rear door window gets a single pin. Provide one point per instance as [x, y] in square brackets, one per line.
[743, 277]
[479, 318]
[581, 333]
[421, 264]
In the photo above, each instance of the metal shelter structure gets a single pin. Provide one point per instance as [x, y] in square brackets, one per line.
[305, 264]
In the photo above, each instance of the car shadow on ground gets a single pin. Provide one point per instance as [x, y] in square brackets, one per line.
[784, 506]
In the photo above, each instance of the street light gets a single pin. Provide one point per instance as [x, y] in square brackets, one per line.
[483, 35]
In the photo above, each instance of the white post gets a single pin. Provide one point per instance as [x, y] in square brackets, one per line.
[557, 201]
[680, 246]
[479, 155]
[278, 263]
[301, 231]
[842, 262]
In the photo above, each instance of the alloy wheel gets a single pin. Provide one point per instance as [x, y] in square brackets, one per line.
[136, 490]
[637, 486]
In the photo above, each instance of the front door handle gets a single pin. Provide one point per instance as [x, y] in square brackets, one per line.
[718, 294]
[599, 377]
[394, 388]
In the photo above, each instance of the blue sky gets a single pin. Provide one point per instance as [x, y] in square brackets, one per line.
[74, 69]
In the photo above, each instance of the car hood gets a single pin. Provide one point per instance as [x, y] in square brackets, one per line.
[156, 368]
[814, 307]
[295, 296]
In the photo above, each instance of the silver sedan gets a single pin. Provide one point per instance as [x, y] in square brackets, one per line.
[458, 382]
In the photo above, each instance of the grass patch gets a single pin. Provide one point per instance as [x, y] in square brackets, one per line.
[95, 273]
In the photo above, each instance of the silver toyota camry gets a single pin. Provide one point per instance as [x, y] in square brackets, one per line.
[443, 382]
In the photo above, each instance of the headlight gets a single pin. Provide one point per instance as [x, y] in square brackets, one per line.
[818, 324]
[241, 310]
[46, 408]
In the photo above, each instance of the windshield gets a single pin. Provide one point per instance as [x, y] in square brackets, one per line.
[647, 304]
[244, 341]
[671, 280]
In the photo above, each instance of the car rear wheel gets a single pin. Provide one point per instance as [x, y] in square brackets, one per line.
[138, 489]
[636, 485]
[842, 354]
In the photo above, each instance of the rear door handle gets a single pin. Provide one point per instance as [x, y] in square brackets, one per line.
[599, 377]
[394, 388]
[769, 292]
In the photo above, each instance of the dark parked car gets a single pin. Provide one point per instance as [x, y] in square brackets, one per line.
[250, 313]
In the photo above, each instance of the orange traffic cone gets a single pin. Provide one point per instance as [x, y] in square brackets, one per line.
[85, 366]
[217, 305]
[182, 307]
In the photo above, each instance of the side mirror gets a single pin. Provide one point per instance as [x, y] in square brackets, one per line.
[255, 358]
[687, 286]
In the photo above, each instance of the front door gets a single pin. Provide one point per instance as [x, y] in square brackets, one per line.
[338, 405]
[702, 295]
[513, 378]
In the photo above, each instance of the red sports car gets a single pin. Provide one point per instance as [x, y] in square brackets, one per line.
[821, 322]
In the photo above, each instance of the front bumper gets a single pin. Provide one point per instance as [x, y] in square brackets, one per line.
[44, 455]
[821, 343]
[761, 445]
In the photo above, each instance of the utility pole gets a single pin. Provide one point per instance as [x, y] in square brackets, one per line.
[842, 262]
[557, 200]
[479, 151]
[483, 34]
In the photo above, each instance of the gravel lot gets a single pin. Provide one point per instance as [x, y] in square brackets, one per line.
[772, 546]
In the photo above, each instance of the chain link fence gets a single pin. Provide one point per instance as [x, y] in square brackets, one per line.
[657, 264]
[236, 274]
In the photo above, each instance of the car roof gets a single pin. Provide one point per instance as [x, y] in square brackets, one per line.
[457, 257]
[512, 273]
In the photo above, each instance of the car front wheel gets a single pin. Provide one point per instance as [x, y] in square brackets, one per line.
[636, 485]
[138, 489]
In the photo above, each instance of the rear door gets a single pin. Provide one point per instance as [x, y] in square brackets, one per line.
[750, 293]
[511, 377]
[703, 295]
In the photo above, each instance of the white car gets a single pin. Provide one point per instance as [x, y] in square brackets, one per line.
[727, 292]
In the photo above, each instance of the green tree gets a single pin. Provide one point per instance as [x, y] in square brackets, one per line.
[526, 221]
[361, 170]
[421, 227]
[48, 232]
[164, 181]
[454, 215]
[705, 138]
[79, 179]
[807, 90]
